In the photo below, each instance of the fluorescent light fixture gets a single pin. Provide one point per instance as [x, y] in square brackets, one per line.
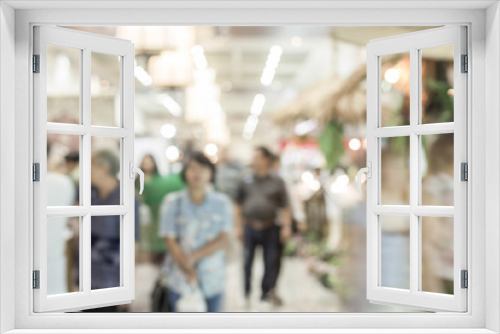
[257, 104]
[173, 107]
[251, 123]
[247, 135]
[272, 62]
[199, 57]
[305, 127]
[141, 75]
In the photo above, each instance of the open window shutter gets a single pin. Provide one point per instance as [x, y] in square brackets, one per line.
[410, 215]
[46, 214]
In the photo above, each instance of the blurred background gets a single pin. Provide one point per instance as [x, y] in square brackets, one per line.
[301, 91]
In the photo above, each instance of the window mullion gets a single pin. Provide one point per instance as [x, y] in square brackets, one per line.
[85, 267]
[109, 132]
[109, 210]
[434, 211]
[414, 170]
[67, 129]
[434, 129]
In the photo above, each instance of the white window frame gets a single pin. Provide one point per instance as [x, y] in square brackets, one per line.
[483, 122]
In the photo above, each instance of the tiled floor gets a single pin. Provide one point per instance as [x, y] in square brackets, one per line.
[300, 291]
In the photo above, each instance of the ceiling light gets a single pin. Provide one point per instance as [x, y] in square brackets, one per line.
[354, 144]
[168, 131]
[199, 57]
[141, 75]
[272, 62]
[247, 135]
[172, 106]
[258, 104]
[211, 150]
[172, 153]
[391, 75]
[305, 127]
[251, 123]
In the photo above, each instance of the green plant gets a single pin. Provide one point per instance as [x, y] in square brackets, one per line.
[331, 144]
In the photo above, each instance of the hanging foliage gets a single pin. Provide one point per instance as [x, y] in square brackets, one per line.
[331, 144]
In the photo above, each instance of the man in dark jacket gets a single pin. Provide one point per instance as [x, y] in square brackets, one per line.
[263, 218]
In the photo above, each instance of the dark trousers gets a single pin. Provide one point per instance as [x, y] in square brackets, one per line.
[281, 248]
[269, 239]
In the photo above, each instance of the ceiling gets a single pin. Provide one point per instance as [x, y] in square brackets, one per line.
[238, 56]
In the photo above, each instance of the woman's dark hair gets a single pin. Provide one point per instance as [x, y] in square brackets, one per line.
[72, 157]
[155, 169]
[109, 158]
[266, 153]
[200, 158]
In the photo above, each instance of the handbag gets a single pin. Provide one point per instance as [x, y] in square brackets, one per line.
[192, 300]
[159, 297]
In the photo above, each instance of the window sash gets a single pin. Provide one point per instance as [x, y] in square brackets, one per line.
[86, 297]
[413, 298]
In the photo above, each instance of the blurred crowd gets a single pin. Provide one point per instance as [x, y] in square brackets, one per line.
[185, 221]
[190, 216]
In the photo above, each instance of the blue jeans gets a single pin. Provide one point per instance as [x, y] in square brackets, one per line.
[214, 304]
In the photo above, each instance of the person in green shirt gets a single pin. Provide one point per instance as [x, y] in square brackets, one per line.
[156, 187]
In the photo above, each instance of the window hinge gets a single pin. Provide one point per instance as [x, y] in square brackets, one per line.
[465, 279]
[36, 63]
[465, 64]
[464, 172]
[36, 279]
[36, 172]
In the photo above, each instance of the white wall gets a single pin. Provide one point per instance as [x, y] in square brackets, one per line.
[7, 65]
[492, 164]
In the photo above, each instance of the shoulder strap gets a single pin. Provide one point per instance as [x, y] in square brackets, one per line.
[178, 206]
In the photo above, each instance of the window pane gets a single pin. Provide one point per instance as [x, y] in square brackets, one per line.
[105, 252]
[437, 254]
[63, 172]
[105, 89]
[437, 84]
[63, 254]
[437, 169]
[395, 89]
[63, 84]
[395, 171]
[105, 171]
[395, 251]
